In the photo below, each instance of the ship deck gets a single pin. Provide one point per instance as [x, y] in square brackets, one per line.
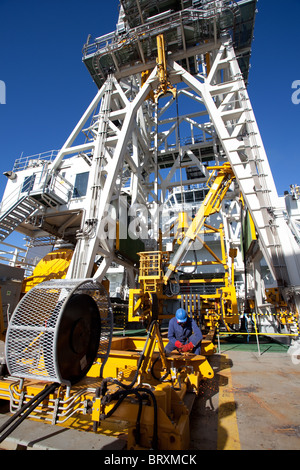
[252, 403]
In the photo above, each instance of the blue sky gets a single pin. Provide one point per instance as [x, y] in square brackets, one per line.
[48, 87]
[275, 65]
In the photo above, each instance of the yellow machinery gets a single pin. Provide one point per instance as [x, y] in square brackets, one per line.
[165, 85]
[53, 266]
[283, 313]
[134, 389]
[131, 386]
[157, 277]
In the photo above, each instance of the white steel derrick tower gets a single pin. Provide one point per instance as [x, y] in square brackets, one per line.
[135, 152]
[208, 45]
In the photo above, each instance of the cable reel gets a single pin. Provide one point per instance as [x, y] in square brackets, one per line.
[57, 329]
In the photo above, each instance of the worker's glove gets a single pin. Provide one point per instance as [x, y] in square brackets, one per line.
[178, 344]
[187, 347]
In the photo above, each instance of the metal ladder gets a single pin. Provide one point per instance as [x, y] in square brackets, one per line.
[17, 214]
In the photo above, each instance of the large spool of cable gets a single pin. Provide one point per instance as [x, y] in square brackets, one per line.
[57, 330]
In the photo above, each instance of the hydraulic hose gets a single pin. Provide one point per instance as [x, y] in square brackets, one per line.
[161, 379]
[26, 409]
[121, 395]
[104, 383]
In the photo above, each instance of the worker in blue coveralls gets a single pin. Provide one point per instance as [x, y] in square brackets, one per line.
[183, 334]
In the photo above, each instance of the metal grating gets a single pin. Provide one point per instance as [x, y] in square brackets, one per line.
[32, 334]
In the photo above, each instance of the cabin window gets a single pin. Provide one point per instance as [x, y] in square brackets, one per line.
[28, 183]
[80, 185]
[189, 197]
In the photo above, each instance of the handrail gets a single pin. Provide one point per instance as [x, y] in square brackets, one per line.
[35, 160]
[57, 184]
[114, 40]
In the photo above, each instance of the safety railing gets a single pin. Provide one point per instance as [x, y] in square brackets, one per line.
[34, 160]
[17, 257]
[57, 186]
[113, 40]
[42, 183]
[151, 269]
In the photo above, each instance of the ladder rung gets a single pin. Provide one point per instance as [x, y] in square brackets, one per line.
[244, 147]
[258, 191]
[274, 245]
[262, 207]
[30, 202]
[246, 177]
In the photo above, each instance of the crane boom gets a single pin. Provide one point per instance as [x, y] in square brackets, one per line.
[220, 181]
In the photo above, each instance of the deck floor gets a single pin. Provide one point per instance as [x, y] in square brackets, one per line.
[252, 403]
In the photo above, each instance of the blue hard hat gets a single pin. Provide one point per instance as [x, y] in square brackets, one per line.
[181, 315]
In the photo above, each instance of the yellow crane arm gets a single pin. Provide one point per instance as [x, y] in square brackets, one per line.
[220, 181]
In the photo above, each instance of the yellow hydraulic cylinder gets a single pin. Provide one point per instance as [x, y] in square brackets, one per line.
[183, 225]
[162, 73]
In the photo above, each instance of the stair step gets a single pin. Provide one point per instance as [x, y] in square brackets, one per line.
[20, 211]
[12, 220]
[23, 209]
[8, 225]
[29, 204]
[26, 207]
[17, 213]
